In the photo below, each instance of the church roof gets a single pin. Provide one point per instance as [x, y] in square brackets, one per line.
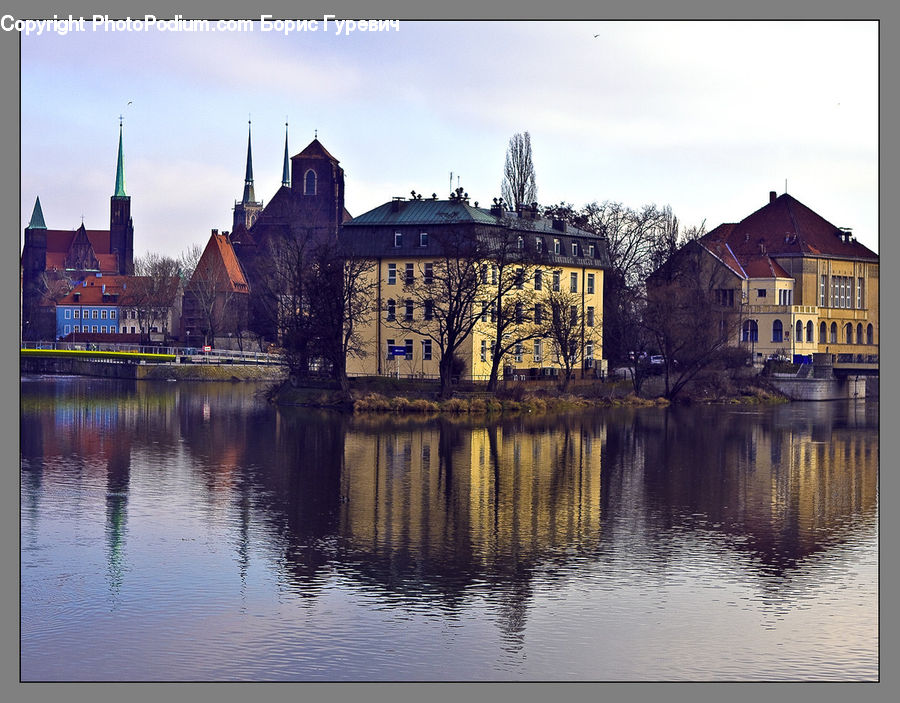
[37, 216]
[219, 255]
[315, 150]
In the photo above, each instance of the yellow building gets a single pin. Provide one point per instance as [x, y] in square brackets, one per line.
[800, 284]
[442, 264]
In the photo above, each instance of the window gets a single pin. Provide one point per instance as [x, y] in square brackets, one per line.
[590, 284]
[103, 328]
[538, 244]
[68, 313]
[112, 314]
[784, 297]
[520, 243]
[94, 327]
[493, 313]
[556, 281]
[833, 339]
[398, 240]
[520, 278]
[76, 314]
[573, 282]
[859, 333]
[103, 314]
[860, 298]
[574, 248]
[822, 293]
[538, 313]
[589, 350]
[870, 335]
[408, 343]
[556, 246]
[409, 275]
[408, 315]
[68, 329]
[590, 316]
[426, 350]
[423, 239]
[520, 313]
[392, 274]
[573, 315]
[391, 310]
[94, 314]
[798, 333]
[750, 332]
[538, 279]
[848, 333]
[429, 309]
[777, 331]
[76, 328]
[520, 349]
[484, 273]
[494, 273]
[429, 274]
[823, 333]
[538, 351]
[484, 350]
[591, 250]
[484, 311]
[390, 343]
[309, 183]
[760, 292]
[809, 331]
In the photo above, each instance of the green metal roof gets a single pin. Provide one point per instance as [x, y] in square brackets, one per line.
[37, 216]
[423, 212]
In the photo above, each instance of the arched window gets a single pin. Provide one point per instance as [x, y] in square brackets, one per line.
[809, 331]
[750, 332]
[859, 333]
[848, 333]
[777, 331]
[823, 333]
[833, 339]
[798, 335]
[309, 183]
[870, 335]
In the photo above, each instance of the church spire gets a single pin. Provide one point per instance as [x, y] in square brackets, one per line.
[37, 216]
[120, 167]
[286, 171]
[249, 195]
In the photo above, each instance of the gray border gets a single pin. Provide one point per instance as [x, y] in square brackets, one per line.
[9, 201]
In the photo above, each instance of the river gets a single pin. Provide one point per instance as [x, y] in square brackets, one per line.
[178, 531]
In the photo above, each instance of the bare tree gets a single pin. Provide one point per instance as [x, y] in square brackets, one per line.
[153, 291]
[686, 317]
[570, 331]
[450, 304]
[519, 186]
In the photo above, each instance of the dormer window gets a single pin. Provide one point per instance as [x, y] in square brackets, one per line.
[398, 239]
[309, 183]
[556, 246]
[423, 239]
[574, 249]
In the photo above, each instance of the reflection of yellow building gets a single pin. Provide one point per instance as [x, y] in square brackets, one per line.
[541, 259]
[495, 493]
[800, 284]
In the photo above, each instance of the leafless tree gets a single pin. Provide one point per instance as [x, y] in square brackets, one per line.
[153, 291]
[450, 305]
[684, 316]
[519, 186]
[569, 331]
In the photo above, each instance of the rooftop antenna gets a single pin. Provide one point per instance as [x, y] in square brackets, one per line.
[451, 180]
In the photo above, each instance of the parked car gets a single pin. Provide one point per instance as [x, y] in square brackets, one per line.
[657, 360]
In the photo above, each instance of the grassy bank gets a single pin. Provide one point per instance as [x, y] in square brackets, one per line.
[210, 372]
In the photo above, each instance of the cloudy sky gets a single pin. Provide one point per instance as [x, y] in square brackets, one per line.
[707, 117]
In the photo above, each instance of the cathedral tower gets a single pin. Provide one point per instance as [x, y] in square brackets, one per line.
[121, 228]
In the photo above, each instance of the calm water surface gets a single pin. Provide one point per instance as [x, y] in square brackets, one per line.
[192, 532]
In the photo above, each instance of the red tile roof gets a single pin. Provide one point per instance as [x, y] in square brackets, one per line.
[219, 254]
[764, 266]
[315, 150]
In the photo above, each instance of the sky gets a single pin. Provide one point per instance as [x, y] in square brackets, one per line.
[706, 117]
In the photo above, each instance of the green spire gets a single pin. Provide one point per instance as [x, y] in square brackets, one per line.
[120, 168]
[286, 171]
[249, 195]
[37, 216]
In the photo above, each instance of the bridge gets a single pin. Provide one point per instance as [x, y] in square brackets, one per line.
[855, 365]
[137, 354]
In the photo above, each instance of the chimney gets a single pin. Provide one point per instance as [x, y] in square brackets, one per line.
[215, 231]
[772, 196]
[559, 225]
[396, 204]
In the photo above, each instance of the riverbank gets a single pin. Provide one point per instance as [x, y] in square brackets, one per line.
[416, 397]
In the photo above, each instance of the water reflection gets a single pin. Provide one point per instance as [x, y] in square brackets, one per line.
[429, 516]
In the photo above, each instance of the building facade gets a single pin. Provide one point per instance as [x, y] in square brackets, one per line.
[799, 284]
[533, 262]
